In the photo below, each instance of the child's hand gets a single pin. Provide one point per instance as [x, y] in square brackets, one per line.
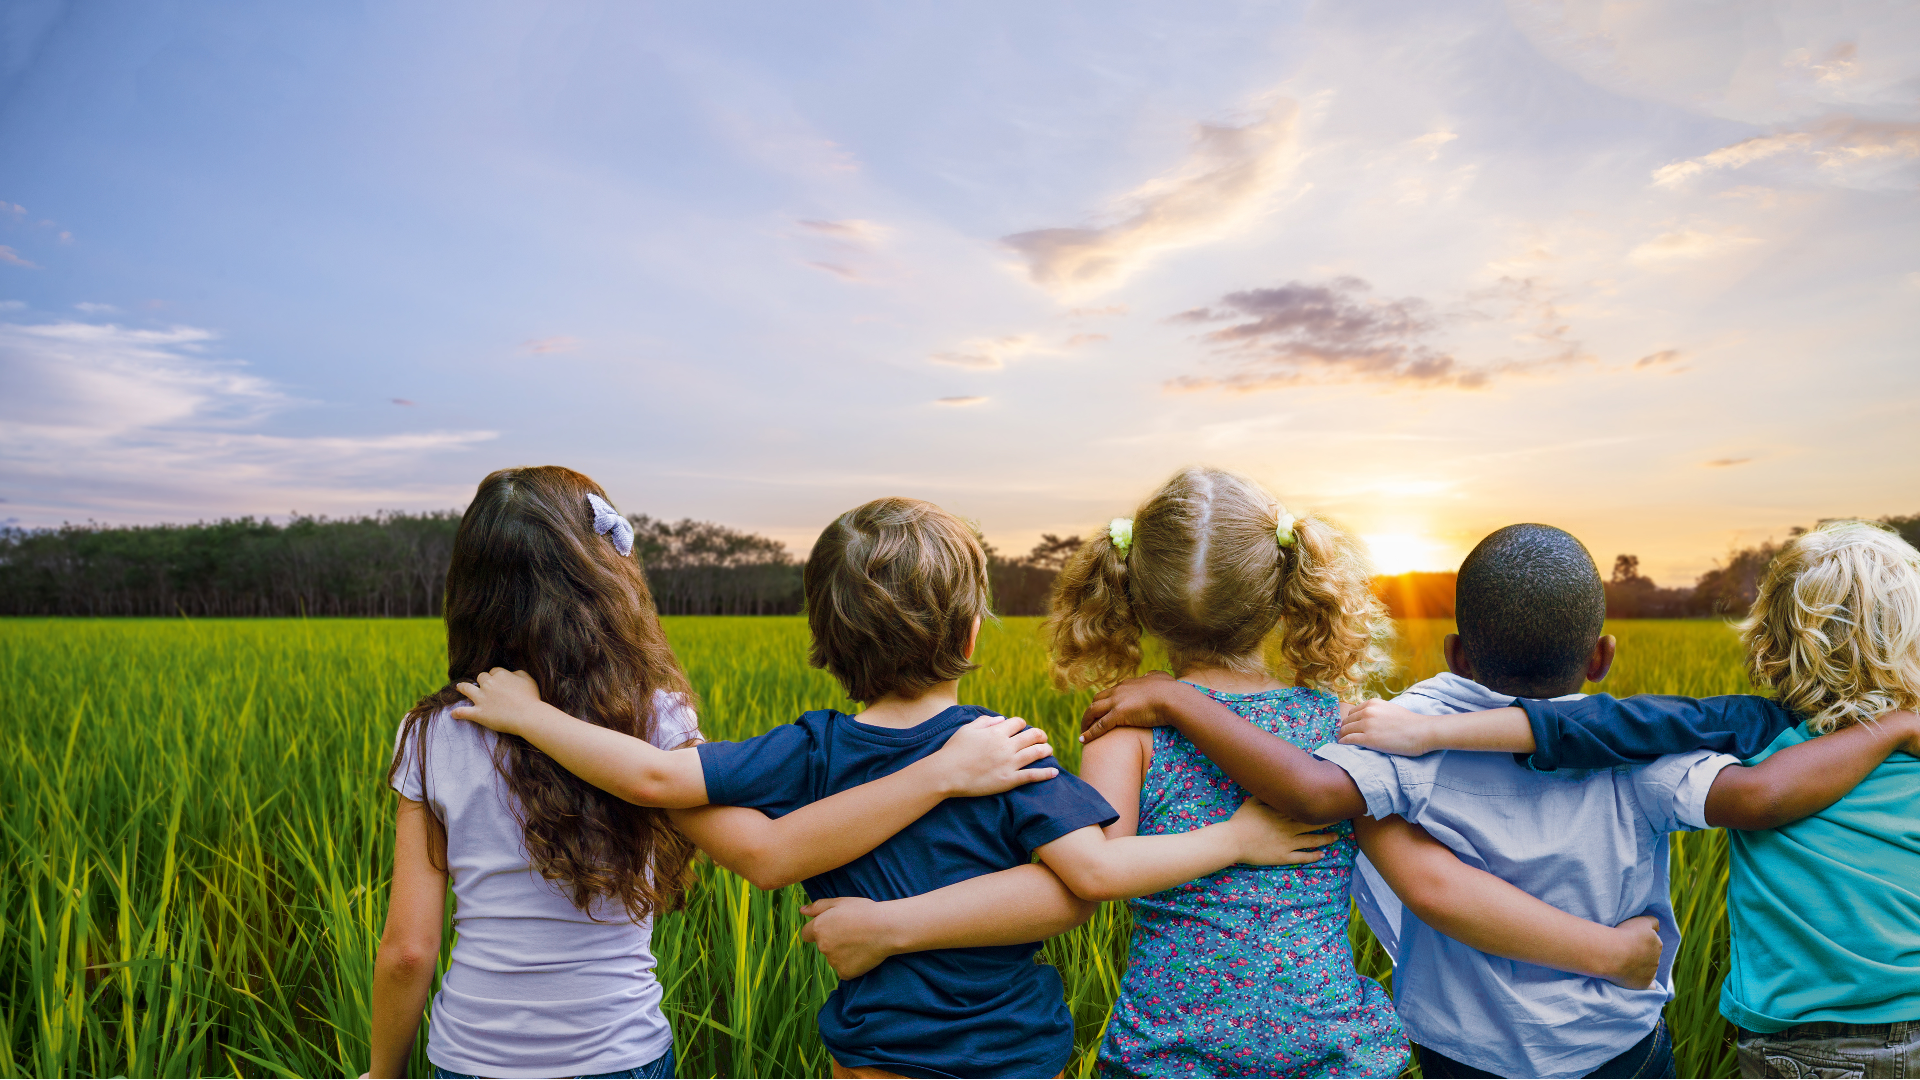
[1640, 949]
[1901, 718]
[1133, 703]
[1386, 727]
[501, 700]
[848, 931]
[990, 756]
[1267, 839]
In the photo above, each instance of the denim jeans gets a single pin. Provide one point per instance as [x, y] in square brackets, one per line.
[660, 1068]
[1651, 1056]
[1830, 1049]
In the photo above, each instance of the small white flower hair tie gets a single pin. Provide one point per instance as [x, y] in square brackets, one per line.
[1120, 531]
[608, 523]
[1283, 530]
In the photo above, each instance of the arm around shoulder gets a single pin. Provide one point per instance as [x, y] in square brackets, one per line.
[1805, 779]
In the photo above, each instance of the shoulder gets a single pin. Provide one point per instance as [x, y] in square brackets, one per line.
[674, 721]
[1118, 747]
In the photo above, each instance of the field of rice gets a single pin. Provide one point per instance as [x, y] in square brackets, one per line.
[202, 837]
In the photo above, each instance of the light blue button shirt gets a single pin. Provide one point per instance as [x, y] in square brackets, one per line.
[1589, 842]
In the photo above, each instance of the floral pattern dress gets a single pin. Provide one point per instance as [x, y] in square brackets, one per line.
[1246, 972]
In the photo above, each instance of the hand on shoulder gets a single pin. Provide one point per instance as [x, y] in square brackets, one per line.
[501, 700]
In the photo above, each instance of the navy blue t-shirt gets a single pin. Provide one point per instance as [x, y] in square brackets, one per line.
[1601, 731]
[988, 1011]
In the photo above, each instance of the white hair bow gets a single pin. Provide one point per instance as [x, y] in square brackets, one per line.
[609, 523]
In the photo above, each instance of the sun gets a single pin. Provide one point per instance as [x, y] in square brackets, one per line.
[1399, 552]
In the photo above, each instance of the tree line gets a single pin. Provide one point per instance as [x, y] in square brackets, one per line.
[395, 564]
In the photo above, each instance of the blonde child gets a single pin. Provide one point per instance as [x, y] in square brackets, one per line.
[896, 590]
[556, 881]
[1823, 896]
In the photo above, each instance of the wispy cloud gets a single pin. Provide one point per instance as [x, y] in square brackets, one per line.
[1078, 340]
[147, 421]
[557, 344]
[964, 399]
[1841, 149]
[1334, 332]
[1089, 312]
[1657, 359]
[95, 309]
[1230, 174]
[1727, 462]
[988, 354]
[1683, 245]
[847, 273]
[12, 257]
[852, 230]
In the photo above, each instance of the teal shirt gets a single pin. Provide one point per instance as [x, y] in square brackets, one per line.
[1825, 911]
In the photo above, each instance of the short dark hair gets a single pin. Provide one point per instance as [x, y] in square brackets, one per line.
[1530, 606]
[892, 590]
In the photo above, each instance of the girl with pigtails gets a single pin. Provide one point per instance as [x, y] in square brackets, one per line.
[1248, 971]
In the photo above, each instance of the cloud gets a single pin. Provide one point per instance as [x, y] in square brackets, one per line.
[1078, 340]
[1664, 356]
[988, 354]
[966, 399]
[8, 255]
[558, 344]
[404, 401]
[1230, 175]
[1685, 244]
[1840, 149]
[1088, 312]
[845, 272]
[144, 422]
[1333, 332]
[852, 230]
[1727, 462]
[95, 309]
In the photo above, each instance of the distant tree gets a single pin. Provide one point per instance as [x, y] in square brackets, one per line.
[1908, 527]
[1630, 595]
[700, 568]
[1024, 585]
[1730, 588]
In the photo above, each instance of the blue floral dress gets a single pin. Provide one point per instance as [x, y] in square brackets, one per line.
[1246, 972]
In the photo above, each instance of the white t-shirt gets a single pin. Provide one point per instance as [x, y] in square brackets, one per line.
[536, 988]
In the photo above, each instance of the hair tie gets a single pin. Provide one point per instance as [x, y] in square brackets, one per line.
[1283, 529]
[608, 523]
[1120, 531]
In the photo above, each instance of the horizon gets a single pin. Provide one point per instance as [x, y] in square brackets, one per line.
[1644, 274]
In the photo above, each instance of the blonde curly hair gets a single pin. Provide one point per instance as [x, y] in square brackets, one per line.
[1836, 627]
[1206, 575]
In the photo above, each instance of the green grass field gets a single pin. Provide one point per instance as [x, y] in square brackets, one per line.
[202, 838]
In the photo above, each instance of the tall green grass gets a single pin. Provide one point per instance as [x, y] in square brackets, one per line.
[201, 839]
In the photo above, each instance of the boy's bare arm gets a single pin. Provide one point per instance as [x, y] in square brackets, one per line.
[1806, 779]
[1395, 729]
[1013, 907]
[1278, 773]
[1483, 912]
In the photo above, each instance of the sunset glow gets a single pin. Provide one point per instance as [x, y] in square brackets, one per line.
[1398, 552]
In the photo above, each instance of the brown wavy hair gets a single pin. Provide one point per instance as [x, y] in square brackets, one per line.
[1207, 576]
[532, 587]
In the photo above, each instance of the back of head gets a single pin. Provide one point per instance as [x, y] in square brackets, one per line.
[532, 586]
[1211, 572]
[893, 588]
[1530, 607]
[1835, 629]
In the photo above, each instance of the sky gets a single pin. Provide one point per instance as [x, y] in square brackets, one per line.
[1646, 271]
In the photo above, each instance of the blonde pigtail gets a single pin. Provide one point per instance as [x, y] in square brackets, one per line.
[1093, 634]
[1334, 631]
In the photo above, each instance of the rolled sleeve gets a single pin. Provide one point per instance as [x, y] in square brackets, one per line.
[1375, 774]
[1673, 790]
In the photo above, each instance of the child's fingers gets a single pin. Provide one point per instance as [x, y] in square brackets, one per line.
[1028, 755]
[1034, 776]
[1029, 737]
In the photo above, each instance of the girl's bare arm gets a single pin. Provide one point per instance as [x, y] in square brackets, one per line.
[410, 945]
[1484, 912]
[1115, 864]
[1281, 775]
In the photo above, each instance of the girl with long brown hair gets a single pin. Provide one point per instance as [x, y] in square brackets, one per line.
[556, 881]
